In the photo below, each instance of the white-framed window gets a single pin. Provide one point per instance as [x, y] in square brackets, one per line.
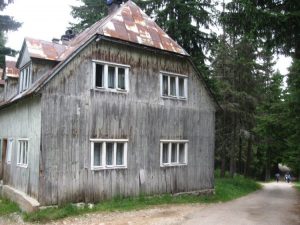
[111, 76]
[173, 85]
[22, 157]
[25, 78]
[108, 153]
[173, 152]
[9, 150]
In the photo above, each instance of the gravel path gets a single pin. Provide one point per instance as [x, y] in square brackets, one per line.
[275, 204]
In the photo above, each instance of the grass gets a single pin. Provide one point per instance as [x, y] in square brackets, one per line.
[226, 190]
[297, 185]
[8, 207]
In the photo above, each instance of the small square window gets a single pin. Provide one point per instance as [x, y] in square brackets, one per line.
[174, 86]
[113, 152]
[22, 156]
[173, 153]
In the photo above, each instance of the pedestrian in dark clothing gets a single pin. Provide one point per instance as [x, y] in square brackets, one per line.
[277, 175]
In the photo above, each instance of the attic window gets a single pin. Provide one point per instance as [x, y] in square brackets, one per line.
[173, 85]
[111, 76]
[25, 78]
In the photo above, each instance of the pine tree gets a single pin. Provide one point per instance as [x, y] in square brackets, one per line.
[6, 23]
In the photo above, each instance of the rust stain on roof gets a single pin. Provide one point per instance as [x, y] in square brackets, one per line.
[44, 49]
[130, 23]
[11, 69]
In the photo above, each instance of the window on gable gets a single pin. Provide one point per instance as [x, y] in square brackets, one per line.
[174, 86]
[22, 157]
[111, 76]
[173, 152]
[108, 154]
[25, 78]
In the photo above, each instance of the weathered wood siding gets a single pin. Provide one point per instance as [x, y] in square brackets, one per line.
[40, 67]
[1, 93]
[72, 113]
[11, 87]
[22, 120]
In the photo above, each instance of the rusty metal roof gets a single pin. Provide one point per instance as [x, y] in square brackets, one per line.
[10, 68]
[130, 23]
[44, 49]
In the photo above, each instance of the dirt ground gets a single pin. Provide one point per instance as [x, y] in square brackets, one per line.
[275, 204]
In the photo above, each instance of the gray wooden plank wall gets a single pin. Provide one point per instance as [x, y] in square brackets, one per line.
[72, 113]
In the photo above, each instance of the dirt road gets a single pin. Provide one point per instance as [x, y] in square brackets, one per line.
[275, 204]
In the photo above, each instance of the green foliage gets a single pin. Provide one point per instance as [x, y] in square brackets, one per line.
[186, 21]
[7, 23]
[226, 190]
[297, 185]
[7, 207]
[88, 13]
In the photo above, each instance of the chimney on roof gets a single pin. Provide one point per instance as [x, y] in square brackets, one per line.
[56, 40]
[113, 5]
[69, 34]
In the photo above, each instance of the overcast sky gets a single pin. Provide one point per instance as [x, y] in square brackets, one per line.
[46, 19]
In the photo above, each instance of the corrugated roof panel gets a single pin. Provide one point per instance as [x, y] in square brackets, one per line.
[10, 68]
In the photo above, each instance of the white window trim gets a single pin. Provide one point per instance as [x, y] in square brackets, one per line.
[177, 76]
[105, 78]
[169, 163]
[25, 81]
[20, 164]
[104, 166]
[9, 150]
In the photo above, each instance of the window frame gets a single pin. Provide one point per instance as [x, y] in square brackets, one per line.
[169, 161]
[116, 76]
[25, 80]
[9, 149]
[20, 161]
[114, 160]
[177, 77]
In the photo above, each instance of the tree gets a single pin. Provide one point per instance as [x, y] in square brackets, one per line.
[6, 23]
[186, 21]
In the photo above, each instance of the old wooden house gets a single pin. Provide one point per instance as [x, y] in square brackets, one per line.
[119, 110]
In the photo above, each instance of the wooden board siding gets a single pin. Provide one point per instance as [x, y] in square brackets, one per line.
[22, 120]
[40, 67]
[11, 88]
[73, 112]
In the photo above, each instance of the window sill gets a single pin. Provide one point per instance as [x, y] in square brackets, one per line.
[22, 165]
[118, 91]
[108, 168]
[174, 98]
[173, 165]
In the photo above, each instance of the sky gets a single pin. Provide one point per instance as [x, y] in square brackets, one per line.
[48, 19]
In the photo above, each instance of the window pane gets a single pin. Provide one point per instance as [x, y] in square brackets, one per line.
[173, 86]
[165, 153]
[165, 85]
[121, 78]
[174, 153]
[99, 75]
[109, 153]
[97, 154]
[182, 153]
[20, 151]
[120, 154]
[111, 77]
[181, 87]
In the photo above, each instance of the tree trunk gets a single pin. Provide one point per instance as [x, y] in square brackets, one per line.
[223, 165]
[249, 157]
[233, 151]
[240, 154]
[268, 165]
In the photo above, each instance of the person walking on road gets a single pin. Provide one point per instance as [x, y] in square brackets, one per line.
[277, 176]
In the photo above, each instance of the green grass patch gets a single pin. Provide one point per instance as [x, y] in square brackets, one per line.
[7, 207]
[226, 189]
[297, 185]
